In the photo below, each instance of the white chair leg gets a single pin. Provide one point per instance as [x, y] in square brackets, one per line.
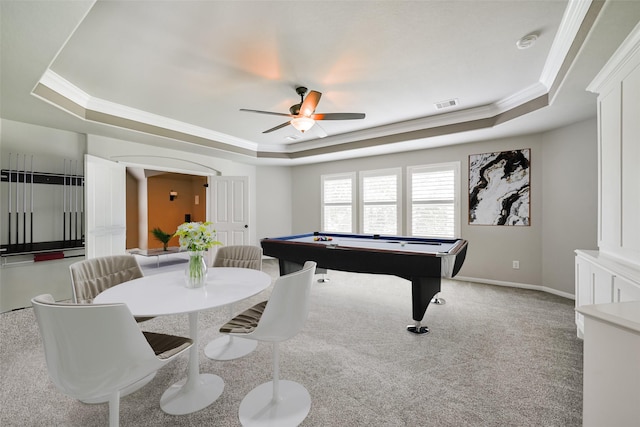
[114, 409]
[276, 373]
[277, 403]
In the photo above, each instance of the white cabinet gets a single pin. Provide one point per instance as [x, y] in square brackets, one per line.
[625, 290]
[618, 89]
[611, 386]
[600, 279]
[584, 289]
[602, 284]
[584, 281]
[608, 280]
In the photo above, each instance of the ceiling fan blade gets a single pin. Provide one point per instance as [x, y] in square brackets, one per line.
[338, 116]
[310, 103]
[277, 127]
[267, 112]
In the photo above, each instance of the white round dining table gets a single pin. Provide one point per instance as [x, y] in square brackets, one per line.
[166, 294]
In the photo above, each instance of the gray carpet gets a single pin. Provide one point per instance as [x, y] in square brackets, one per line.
[495, 357]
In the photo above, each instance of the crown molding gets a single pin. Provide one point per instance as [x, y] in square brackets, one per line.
[569, 26]
[415, 126]
[63, 87]
[70, 98]
[618, 63]
[63, 94]
[95, 107]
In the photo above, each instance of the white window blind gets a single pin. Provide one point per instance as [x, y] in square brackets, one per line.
[433, 200]
[337, 202]
[380, 198]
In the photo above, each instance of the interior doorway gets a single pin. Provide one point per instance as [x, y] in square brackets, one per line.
[162, 200]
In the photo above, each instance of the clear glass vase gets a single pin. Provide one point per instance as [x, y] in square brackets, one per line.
[196, 272]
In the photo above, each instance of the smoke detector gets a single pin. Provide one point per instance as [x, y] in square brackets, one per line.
[527, 41]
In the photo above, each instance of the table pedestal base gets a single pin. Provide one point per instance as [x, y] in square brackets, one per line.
[180, 398]
[229, 348]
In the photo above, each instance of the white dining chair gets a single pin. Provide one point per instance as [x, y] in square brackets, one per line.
[240, 256]
[91, 276]
[94, 351]
[280, 403]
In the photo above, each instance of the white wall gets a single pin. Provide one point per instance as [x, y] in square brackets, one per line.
[570, 200]
[286, 200]
[19, 282]
[273, 201]
[50, 146]
[493, 248]
[52, 150]
[136, 154]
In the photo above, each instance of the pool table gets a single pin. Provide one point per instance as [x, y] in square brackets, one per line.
[423, 261]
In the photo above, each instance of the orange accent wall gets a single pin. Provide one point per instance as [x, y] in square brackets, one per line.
[168, 215]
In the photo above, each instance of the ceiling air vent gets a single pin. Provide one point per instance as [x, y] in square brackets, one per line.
[446, 104]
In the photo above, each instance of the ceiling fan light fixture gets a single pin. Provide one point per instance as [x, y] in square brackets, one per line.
[304, 116]
[303, 124]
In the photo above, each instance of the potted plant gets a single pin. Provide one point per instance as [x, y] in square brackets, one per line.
[162, 236]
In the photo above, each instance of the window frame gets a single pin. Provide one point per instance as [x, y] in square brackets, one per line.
[397, 172]
[435, 167]
[334, 177]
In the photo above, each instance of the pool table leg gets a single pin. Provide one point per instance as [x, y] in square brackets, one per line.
[288, 267]
[323, 272]
[423, 289]
[438, 301]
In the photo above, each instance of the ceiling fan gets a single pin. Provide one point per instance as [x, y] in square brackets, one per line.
[303, 115]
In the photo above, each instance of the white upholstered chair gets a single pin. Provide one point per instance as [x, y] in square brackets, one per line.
[93, 351]
[278, 402]
[89, 277]
[92, 276]
[241, 256]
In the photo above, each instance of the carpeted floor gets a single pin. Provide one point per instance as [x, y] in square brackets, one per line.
[495, 357]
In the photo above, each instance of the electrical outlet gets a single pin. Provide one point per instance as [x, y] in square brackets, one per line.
[516, 265]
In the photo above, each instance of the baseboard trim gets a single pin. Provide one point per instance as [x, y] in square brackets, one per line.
[517, 285]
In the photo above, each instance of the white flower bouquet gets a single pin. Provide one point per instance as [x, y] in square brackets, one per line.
[197, 236]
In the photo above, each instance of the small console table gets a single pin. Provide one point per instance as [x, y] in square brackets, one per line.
[155, 252]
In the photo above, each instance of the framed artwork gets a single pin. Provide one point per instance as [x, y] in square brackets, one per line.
[499, 188]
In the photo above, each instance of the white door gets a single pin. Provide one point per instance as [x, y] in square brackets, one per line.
[229, 208]
[105, 198]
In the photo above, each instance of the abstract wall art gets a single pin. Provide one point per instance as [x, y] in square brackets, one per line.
[499, 188]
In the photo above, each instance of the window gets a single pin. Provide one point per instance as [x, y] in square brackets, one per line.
[338, 211]
[380, 195]
[433, 202]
